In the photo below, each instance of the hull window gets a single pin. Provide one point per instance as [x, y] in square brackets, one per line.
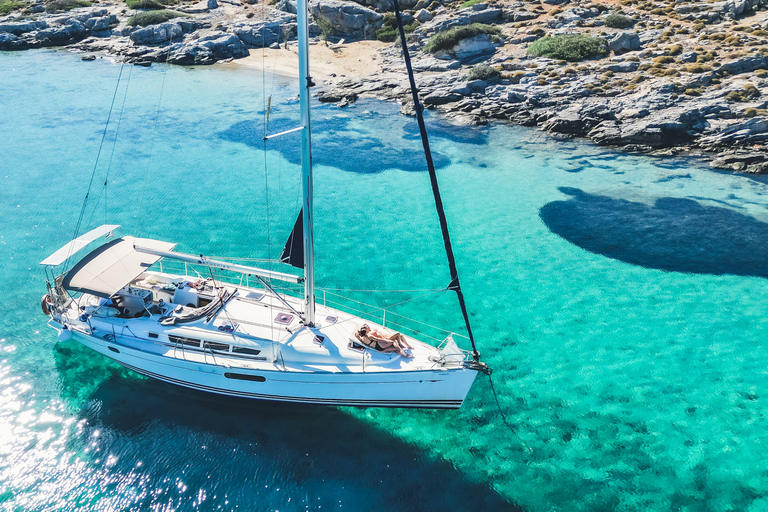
[248, 351]
[192, 342]
[217, 346]
[242, 376]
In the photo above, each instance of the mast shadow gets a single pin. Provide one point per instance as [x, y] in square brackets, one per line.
[241, 451]
[674, 234]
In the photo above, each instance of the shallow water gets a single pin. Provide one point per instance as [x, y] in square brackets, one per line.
[617, 297]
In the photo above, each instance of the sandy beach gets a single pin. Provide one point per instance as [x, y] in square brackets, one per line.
[356, 59]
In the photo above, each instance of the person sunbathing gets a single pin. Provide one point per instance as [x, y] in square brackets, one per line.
[392, 343]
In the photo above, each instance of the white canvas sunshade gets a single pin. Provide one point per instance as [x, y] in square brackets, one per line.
[110, 267]
[78, 243]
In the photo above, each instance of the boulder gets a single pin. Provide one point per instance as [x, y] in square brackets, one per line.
[473, 47]
[482, 16]
[261, 34]
[423, 16]
[213, 4]
[347, 19]
[624, 42]
[442, 96]
[621, 67]
[156, 34]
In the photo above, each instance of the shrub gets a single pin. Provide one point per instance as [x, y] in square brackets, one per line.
[752, 112]
[614, 20]
[144, 4]
[9, 5]
[326, 28]
[482, 72]
[144, 19]
[388, 31]
[449, 38]
[696, 68]
[65, 5]
[570, 47]
[470, 3]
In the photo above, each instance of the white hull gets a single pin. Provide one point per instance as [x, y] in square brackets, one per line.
[440, 389]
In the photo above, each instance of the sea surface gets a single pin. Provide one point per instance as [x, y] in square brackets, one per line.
[620, 299]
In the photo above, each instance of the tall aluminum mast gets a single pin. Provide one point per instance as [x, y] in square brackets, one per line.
[305, 82]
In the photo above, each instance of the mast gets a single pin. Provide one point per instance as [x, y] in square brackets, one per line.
[305, 82]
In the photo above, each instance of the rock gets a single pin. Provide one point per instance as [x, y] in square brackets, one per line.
[483, 16]
[423, 16]
[621, 67]
[213, 4]
[554, 2]
[648, 36]
[10, 41]
[20, 28]
[207, 50]
[441, 97]
[480, 6]
[287, 6]
[746, 161]
[260, 34]
[689, 57]
[523, 16]
[346, 19]
[386, 5]
[624, 42]
[475, 46]
[88, 57]
[156, 34]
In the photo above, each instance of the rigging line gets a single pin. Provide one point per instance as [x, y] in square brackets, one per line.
[152, 144]
[433, 180]
[96, 163]
[114, 142]
[501, 412]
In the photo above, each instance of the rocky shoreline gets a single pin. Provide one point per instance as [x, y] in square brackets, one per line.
[682, 77]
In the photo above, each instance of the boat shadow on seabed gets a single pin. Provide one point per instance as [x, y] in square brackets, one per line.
[674, 234]
[241, 450]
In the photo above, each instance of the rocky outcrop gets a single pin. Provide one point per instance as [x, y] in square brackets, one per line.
[55, 30]
[207, 49]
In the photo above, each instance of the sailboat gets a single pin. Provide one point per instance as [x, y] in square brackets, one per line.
[249, 340]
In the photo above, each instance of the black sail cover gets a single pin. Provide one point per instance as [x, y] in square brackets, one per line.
[293, 252]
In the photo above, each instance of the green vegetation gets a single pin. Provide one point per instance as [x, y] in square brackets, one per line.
[65, 5]
[146, 18]
[570, 47]
[749, 92]
[470, 3]
[149, 4]
[388, 31]
[326, 28]
[449, 38]
[482, 72]
[7, 6]
[614, 20]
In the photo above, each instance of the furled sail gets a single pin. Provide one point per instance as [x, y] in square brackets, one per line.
[293, 252]
[454, 284]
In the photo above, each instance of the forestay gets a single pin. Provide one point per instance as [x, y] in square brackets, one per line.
[110, 267]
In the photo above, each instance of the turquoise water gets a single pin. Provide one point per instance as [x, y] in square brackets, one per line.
[619, 299]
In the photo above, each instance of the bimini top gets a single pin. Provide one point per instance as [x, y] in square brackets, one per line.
[110, 267]
[78, 243]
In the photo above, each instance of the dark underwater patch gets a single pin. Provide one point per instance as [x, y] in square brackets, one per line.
[675, 234]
